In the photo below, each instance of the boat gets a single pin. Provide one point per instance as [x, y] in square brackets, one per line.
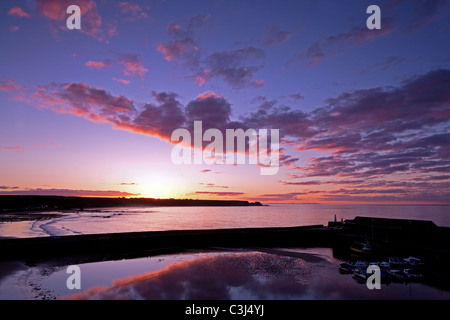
[397, 274]
[414, 262]
[360, 264]
[345, 267]
[412, 274]
[360, 275]
[395, 261]
[361, 248]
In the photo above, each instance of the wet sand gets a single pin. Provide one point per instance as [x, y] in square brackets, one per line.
[20, 224]
[27, 216]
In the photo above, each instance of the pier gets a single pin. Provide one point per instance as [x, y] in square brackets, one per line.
[145, 243]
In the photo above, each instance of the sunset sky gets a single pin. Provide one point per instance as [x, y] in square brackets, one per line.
[363, 115]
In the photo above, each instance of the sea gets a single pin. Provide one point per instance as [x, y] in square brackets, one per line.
[131, 219]
[219, 274]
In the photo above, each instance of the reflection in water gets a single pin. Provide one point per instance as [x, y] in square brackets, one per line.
[260, 275]
[273, 274]
[231, 276]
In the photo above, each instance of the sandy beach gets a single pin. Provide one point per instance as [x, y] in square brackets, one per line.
[21, 224]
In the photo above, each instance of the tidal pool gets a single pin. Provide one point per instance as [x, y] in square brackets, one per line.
[242, 274]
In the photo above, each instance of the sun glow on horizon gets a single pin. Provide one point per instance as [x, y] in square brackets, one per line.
[158, 185]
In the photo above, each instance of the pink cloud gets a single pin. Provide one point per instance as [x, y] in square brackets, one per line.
[14, 28]
[18, 12]
[122, 81]
[43, 145]
[9, 85]
[219, 193]
[16, 148]
[174, 49]
[203, 76]
[258, 83]
[132, 11]
[133, 68]
[95, 65]
[99, 105]
[79, 99]
[111, 29]
[55, 10]
[132, 64]
[209, 94]
[174, 29]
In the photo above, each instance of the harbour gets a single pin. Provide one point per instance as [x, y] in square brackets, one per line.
[388, 239]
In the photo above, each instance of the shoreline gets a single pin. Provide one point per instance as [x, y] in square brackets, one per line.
[18, 216]
[17, 203]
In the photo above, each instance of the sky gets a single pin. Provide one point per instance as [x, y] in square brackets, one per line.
[363, 114]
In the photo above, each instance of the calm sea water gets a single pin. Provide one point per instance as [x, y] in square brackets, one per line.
[130, 219]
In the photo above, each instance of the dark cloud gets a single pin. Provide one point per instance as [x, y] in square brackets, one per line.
[291, 122]
[95, 104]
[377, 133]
[422, 197]
[70, 193]
[290, 196]
[297, 96]
[334, 44]
[385, 64]
[160, 119]
[184, 47]
[303, 183]
[214, 111]
[236, 67]
[276, 37]
[424, 12]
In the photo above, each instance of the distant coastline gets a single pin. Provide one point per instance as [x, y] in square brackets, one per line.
[9, 203]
